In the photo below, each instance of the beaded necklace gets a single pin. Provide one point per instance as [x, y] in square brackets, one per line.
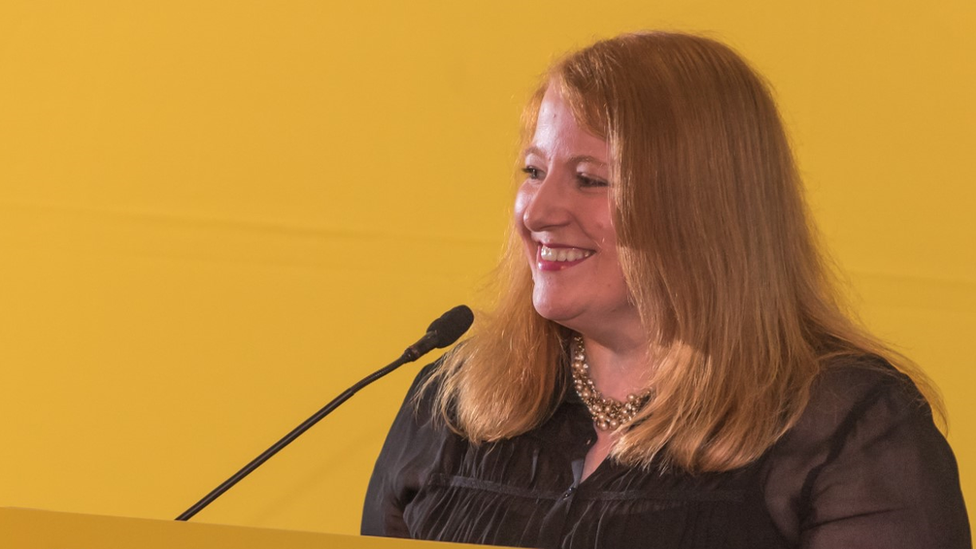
[607, 413]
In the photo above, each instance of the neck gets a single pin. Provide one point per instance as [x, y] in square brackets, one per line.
[619, 366]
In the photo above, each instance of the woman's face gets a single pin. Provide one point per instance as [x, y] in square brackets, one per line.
[563, 215]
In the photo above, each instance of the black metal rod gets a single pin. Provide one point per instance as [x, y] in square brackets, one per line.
[287, 439]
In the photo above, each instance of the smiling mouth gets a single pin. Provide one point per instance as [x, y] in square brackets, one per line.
[563, 254]
[555, 259]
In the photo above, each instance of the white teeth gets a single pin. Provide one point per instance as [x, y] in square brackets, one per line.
[563, 254]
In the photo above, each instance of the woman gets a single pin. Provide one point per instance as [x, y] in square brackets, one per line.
[668, 365]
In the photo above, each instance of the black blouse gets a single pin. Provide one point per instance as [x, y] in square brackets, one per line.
[865, 467]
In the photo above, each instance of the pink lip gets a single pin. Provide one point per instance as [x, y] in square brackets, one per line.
[546, 265]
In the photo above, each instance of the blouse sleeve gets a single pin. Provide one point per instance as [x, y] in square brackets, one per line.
[868, 468]
[402, 465]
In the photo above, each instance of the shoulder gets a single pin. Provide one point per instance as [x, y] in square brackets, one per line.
[850, 399]
[417, 410]
[852, 394]
[865, 458]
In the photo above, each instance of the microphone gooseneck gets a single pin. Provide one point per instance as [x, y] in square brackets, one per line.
[441, 333]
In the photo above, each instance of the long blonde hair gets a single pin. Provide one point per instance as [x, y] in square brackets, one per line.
[716, 246]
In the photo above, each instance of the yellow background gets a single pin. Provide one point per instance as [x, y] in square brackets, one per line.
[215, 216]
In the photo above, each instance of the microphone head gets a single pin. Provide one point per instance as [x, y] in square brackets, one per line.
[451, 326]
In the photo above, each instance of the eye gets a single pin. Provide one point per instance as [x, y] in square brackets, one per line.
[587, 181]
[532, 172]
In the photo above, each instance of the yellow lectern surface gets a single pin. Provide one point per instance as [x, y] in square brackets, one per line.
[35, 529]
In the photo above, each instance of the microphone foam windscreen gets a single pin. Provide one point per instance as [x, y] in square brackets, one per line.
[451, 325]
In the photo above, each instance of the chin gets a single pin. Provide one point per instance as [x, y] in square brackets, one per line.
[560, 314]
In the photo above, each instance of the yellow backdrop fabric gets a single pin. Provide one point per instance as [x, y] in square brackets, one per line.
[215, 216]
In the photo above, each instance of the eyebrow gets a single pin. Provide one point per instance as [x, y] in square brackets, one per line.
[578, 159]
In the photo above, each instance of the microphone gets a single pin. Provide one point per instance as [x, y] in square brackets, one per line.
[441, 333]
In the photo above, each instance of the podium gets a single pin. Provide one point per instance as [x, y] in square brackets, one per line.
[35, 529]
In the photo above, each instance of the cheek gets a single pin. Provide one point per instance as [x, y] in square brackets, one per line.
[601, 227]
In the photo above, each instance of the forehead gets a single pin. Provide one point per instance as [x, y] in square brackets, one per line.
[557, 131]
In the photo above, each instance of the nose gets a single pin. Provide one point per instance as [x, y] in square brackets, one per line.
[545, 203]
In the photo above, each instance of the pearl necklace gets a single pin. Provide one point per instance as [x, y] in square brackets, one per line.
[607, 413]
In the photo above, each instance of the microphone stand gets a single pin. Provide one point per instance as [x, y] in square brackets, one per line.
[409, 355]
[441, 333]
